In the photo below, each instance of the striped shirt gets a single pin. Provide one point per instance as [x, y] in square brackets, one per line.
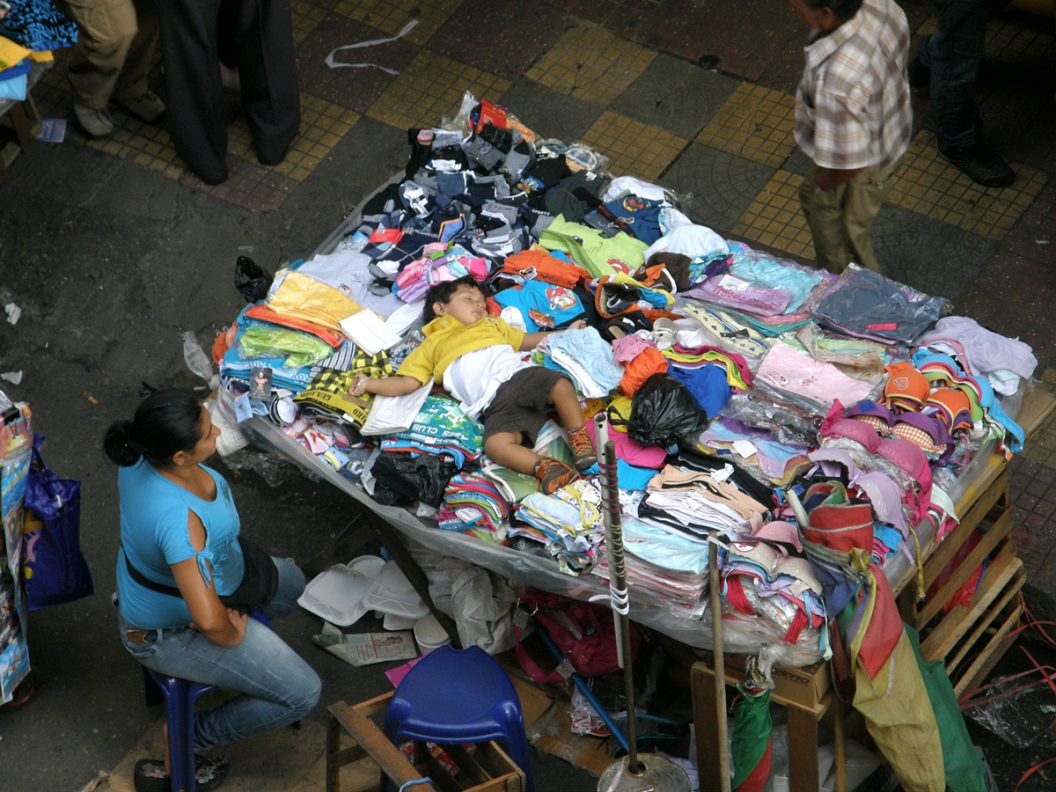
[852, 105]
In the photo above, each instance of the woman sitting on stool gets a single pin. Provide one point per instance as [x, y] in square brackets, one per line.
[186, 581]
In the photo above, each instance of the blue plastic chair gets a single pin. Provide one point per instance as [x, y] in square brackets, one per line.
[453, 697]
[180, 697]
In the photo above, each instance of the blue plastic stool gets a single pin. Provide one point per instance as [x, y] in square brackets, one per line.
[180, 697]
[453, 697]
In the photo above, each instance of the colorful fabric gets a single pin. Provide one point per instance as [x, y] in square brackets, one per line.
[38, 25]
[542, 306]
[752, 747]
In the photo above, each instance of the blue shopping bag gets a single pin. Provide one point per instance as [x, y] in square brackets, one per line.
[54, 570]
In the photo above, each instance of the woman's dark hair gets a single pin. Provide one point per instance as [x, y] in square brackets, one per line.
[165, 422]
[443, 292]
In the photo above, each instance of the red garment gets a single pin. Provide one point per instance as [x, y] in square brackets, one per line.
[637, 371]
[264, 314]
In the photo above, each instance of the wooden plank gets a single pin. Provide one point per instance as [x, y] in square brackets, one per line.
[1011, 592]
[367, 734]
[802, 751]
[999, 532]
[1037, 406]
[988, 658]
[941, 640]
[942, 554]
[804, 688]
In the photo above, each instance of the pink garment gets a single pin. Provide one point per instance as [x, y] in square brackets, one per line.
[796, 372]
[627, 348]
[631, 452]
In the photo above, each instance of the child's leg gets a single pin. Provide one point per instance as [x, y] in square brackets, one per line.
[504, 448]
[563, 397]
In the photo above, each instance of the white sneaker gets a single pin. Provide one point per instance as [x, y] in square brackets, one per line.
[96, 123]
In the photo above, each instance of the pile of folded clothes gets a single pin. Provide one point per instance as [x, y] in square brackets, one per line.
[730, 376]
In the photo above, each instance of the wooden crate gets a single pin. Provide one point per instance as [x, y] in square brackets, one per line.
[490, 770]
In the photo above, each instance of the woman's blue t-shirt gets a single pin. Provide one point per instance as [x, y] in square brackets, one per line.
[154, 513]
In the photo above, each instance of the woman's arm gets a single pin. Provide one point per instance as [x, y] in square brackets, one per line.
[209, 616]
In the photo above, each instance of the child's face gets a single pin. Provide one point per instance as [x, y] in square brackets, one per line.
[466, 305]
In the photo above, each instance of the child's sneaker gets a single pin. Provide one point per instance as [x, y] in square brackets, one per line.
[553, 474]
[582, 449]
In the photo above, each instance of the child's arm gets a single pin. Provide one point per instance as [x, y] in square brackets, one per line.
[386, 386]
[532, 340]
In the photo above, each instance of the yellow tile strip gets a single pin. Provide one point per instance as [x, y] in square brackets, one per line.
[390, 16]
[927, 184]
[755, 123]
[430, 88]
[775, 219]
[305, 19]
[591, 64]
[323, 125]
[632, 147]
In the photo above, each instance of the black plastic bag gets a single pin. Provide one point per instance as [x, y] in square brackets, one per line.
[402, 480]
[664, 413]
[251, 280]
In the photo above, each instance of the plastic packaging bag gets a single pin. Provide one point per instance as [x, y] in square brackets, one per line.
[251, 280]
[664, 413]
[402, 480]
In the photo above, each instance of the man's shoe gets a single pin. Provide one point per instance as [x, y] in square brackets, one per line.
[919, 77]
[981, 165]
[96, 123]
[147, 108]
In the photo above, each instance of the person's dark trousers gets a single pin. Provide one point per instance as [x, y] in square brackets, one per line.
[953, 55]
[258, 34]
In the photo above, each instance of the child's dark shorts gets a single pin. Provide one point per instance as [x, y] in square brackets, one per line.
[521, 404]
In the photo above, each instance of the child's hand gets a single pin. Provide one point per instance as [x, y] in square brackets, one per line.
[579, 324]
[359, 385]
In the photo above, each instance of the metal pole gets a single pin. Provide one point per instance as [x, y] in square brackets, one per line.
[610, 495]
[720, 665]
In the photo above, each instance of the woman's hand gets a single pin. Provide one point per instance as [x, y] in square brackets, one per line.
[239, 621]
[579, 324]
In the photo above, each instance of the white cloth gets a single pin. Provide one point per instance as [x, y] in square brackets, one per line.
[474, 378]
[695, 241]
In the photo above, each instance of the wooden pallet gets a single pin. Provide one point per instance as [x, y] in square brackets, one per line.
[490, 770]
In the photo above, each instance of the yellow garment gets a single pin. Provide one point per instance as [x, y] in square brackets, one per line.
[47, 56]
[619, 413]
[900, 719]
[300, 297]
[11, 54]
[733, 374]
[447, 339]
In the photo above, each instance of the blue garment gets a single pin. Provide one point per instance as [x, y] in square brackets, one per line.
[953, 55]
[543, 306]
[707, 385]
[277, 686]
[38, 25]
[154, 536]
[773, 273]
[629, 477]
[588, 360]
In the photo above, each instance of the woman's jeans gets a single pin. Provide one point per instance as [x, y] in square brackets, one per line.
[277, 686]
[953, 55]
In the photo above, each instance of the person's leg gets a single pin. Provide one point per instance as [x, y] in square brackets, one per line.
[504, 448]
[953, 55]
[824, 212]
[267, 69]
[106, 29]
[133, 90]
[291, 586]
[862, 201]
[196, 119]
[278, 686]
[564, 399]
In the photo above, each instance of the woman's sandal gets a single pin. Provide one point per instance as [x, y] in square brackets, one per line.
[150, 775]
